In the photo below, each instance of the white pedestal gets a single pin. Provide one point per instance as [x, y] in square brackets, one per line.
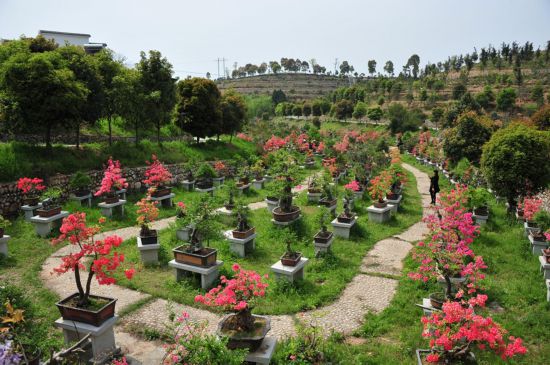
[290, 273]
[358, 194]
[188, 185]
[165, 201]
[107, 209]
[544, 267]
[529, 229]
[427, 307]
[103, 337]
[379, 215]
[82, 199]
[322, 247]
[271, 204]
[284, 224]
[208, 274]
[258, 184]
[238, 246]
[396, 203]
[121, 193]
[342, 229]
[30, 211]
[537, 246]
[243, 189]
[313, 197]
[4, 245]
[149, 253]
[207, 190]
[44, 226]
[218, 180]
[480, 219]
[548, 290]
[264, 353]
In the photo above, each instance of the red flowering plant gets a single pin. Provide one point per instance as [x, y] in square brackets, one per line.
[147, 214]
[353, 186]
[156, 174]
[112, 179]
[105, 258]
[454, 332]
[446, 252]
[244, 137]
[237, 295]
[220, 168]
[321, 147]
[380, 186]
[274, 143]
[530, 207]
[31, 189]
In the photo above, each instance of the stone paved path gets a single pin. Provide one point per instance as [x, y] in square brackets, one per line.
[365, 293]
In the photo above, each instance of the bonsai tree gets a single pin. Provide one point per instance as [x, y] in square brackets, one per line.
[206, 227]
[242, 217]
[274, 188]
[380, 186]
[205, 173]
[323, 218]
[112, 179]
[285, 197]
[258, 169]
[478, 199]
[184, 217]
[104, 257]
[50, 197]
[156, 175]
[531, 206]
[31, 189]
[329, 191]
[541, 219]
[80, 183]
[244, 174]
[4, 223]
[220, 168]
[189, 169]
[288, 237]
[516, 157]
[231, 190]
[147, 214]
[314, 184]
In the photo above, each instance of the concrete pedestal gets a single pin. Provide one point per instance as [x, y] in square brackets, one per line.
[121, 194]
[107, 209]
[149, 253]
[44, 226]
[258, 184]
[548, 290]
[271, 204]
[264, 353]
[427, 307]
[102, 337]
[30, 211]
[4, 245]
[290, 273]
[243, 189]
[189, 185]
[238, 246]
[184, 234]
[165, 201]
[529, 229]
[480, 219]
[544, 267]
[358, 194]
[313, 197]
[207, 190]
[208, 274]
[331, 208]
[379, 215]
[86, 199]
[284, 224]
[218, 181]
[537, 246]
[342, 229]
[395, 203]
[322, 247]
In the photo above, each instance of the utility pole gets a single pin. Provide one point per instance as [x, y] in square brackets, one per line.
[335, 65]
[218, 67]
[224, 71]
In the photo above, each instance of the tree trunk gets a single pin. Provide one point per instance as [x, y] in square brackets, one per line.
[136, 127]
[198, 138]
[218, 138]
[449, 290]
[49, 137]
[78, 136]
[158, 134]
[82, 296]
[110, 132]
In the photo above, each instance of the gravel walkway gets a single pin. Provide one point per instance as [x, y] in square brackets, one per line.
[365, 293]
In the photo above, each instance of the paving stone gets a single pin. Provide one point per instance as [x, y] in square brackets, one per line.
[386, 257]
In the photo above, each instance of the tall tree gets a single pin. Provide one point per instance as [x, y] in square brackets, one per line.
[198, 109]
[388, 67]
[159, 87]
[372, 67]
[233, 109]
[414, 63]
[128, 99]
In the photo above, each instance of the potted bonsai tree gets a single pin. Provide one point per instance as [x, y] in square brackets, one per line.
[4, 223]
[156, 178]
[290, 257]
[286, 211]
[50, 203]
[243, 230]
[258, 170]
[478, 200]
[379, 188]
[244, 176]
[323, 236]
[112, 182]
[540, 235]
[189, 169]
[80, 184]
[205, 229]
[328, 199]
[239, 294]
[205, 175]
[346, 216]
[147, 214]
[31, 188]
[221, 171]
[183, 222]
[83, 306]
[231, 189]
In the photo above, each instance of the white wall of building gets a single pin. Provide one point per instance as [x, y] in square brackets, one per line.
[61, 39]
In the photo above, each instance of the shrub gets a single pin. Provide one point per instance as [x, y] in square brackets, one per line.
[516, 159]
[80, 180]
[506, 99]
[467, 138]
[542, 118]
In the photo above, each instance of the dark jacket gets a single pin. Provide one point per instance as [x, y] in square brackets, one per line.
[434, 183]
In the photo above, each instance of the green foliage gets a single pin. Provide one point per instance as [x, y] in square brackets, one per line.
[541, 118]
[277, 97]
[80, 180]
[360, 110]
[478, 197]
[516, 160]
[51, 193]
[506, 99]
[233, 110]
[4, 223]
[343, 109]
[402, 120]
[466, 139]
[256, 105]
[375, 113]
[205, 171]
[542, 219]
[459, 90]
[486, 98]
[461, 167]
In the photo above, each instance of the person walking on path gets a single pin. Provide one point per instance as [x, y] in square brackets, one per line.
[434, 185]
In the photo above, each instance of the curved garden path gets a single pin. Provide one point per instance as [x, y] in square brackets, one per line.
[369, 291]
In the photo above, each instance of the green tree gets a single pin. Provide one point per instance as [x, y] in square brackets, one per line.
[437, 115]
[375, 113]
[537, 94]
[414, 62]
[542, 118]
[343, 109]
[401, 120]
[198, 110]
[128, 98]
[459, 90]
[159, 87]
[278, 96]
[360, 110]
[297, 110]
[506, 99]
[306, 109]
[233, 108]
[515, 161]
[372, 67]
[388, 67]
[467, 138]
[486, 98]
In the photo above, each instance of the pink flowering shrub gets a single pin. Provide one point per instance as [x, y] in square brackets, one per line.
[343, 145]
[147, 214]
[273, 144]
[530, 207]
[105, 260]
[380, 186]
[353, 186]
[29, 186]
[244, 137]
[220, 168]
[457, 329]
[112, 179]
[320, 147]
[237, 295]
[156, 174]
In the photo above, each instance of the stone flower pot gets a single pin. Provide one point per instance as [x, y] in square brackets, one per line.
[205, 257]
[291, 259]
[48, 212]
[69, 311]
[280, 216]
[240, 340]
[149, 238]
[245, 234]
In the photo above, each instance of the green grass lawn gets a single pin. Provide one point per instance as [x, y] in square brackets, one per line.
[325, 277]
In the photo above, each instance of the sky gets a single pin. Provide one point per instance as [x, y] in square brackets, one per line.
[194, 34]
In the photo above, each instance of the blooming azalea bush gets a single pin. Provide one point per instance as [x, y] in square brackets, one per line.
[237, 295]
[112, 179]
[156, 174]
[274, 143]
[30, 187]
[353, 186]
[321, 147]
[220, 168]
[457, 329]
[244, 137]
[105, 259]
[530, 207]
[380, 186]
[147, 213]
